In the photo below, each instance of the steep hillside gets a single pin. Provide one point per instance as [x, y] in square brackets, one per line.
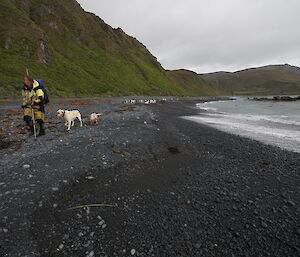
[192, 83]
[76, 52]
[267, 80]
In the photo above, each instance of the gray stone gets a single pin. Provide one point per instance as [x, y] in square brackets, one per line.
[291, 203]
[264, 224]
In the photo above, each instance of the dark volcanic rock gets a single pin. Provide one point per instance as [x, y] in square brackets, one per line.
[173, 150]
[277, 98]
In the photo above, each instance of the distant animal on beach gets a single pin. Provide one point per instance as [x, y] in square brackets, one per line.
[94, 117]
[150, 101]
[134, 101]
[131, 101]
[70, 117]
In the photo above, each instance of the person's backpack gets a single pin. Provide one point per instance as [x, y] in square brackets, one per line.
[42, 86]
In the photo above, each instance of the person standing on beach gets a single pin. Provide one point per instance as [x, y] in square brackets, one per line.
[33, 103]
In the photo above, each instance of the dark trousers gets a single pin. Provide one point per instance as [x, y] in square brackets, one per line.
[29, 122]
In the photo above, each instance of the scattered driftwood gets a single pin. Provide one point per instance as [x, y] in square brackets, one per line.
[90, 205]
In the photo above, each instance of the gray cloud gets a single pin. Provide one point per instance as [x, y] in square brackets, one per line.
[209, 35]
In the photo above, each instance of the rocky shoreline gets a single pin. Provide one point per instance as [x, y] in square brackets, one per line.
[145, 182]
[277, 98]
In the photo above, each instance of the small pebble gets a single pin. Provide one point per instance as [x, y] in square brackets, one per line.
[26, 166]
[264, 224]
[291, 203]
[132, 251]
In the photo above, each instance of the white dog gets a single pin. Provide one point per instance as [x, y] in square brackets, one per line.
[69, 117]
[94, 117]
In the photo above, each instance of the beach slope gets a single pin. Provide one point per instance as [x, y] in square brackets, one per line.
[145, 182]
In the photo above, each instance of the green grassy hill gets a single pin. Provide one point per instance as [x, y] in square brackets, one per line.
[192, 83]
[267, 80]
[75, 52]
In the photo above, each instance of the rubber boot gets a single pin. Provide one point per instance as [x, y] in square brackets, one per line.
[28, 121]
[31, 130]
[42, 129]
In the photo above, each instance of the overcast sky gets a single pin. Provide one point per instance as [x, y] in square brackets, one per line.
[209, 35]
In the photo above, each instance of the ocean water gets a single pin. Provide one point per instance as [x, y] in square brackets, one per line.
[274, 123]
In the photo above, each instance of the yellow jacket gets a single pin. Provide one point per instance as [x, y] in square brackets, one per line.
[33, 97]
[26, 97]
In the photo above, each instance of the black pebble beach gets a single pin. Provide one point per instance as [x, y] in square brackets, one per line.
[145, 182]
